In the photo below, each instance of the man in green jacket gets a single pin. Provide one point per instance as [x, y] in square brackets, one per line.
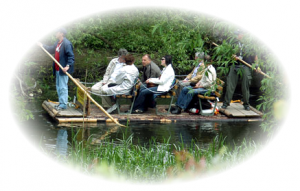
[234, 76]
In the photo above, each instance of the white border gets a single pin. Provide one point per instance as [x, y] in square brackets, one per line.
[276, 23]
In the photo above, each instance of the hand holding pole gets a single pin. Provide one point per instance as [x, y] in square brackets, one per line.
[245, 63]
[88, 95]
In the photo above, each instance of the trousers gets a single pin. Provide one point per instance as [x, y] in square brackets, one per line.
[232, 80]
[181, 85]
[146, 96]
[106, 100]
[186, 96]
[62, 89]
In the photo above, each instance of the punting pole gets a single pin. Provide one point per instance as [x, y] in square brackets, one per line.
[248, 64]
[88, 95]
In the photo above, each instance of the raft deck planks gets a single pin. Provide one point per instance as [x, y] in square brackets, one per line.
[237, 110]
[71, 115]
[69, 112]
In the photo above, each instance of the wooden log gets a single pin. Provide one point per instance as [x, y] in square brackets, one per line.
[110, 121]
[48, 110]
[256, 111]
[253, 120]
[76, 120]
[166, 121]
[80, 125]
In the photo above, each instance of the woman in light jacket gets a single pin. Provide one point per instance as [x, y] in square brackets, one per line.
[164, 84]
[124, 80]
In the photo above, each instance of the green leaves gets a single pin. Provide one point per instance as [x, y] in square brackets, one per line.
[178, 33]
[155, 27]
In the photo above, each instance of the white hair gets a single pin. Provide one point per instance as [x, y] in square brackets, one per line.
[199, 55]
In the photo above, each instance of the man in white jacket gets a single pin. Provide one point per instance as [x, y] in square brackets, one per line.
[207, 81]
[111, 72]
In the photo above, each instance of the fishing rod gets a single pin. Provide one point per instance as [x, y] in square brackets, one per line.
[88, 95]
[245, 63]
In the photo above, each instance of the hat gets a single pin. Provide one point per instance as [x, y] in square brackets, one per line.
[62, 30]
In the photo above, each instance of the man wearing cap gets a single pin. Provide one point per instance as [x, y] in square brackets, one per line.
[234, 76]
[114, 66]
[196, 73]
[63, 53]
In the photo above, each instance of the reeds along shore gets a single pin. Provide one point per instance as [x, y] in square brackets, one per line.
[154, 162]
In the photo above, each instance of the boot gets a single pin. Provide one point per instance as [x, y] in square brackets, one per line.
[171, 109]
[247, 108]
[177, 110]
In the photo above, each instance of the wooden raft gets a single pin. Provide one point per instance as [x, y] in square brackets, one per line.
[87, 112]
[235, 113]
[237, 110]
[71, 114]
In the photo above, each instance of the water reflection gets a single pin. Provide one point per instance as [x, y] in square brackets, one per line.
[202, 133]
[50, 135]
[62, 142]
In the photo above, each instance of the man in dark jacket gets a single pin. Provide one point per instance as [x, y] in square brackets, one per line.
[233, 76]
[63, 53]
[150, 69]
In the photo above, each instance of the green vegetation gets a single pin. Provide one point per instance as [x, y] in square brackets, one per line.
[20, 107]
[154, 162]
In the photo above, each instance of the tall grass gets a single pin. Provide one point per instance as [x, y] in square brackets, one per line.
[154, 161]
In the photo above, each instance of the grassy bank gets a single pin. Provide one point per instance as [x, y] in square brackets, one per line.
[154, 162]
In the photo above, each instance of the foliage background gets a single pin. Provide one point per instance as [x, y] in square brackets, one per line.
[96, 40]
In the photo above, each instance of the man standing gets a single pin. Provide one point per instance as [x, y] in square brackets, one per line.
[63, 53]
[234, 74]
[114, 66]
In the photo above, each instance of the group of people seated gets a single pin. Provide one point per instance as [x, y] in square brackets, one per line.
[121, 75]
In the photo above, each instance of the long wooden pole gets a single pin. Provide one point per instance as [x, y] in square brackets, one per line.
[259, 71]
[88, 95]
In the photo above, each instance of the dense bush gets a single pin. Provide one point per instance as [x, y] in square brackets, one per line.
[96, 40]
